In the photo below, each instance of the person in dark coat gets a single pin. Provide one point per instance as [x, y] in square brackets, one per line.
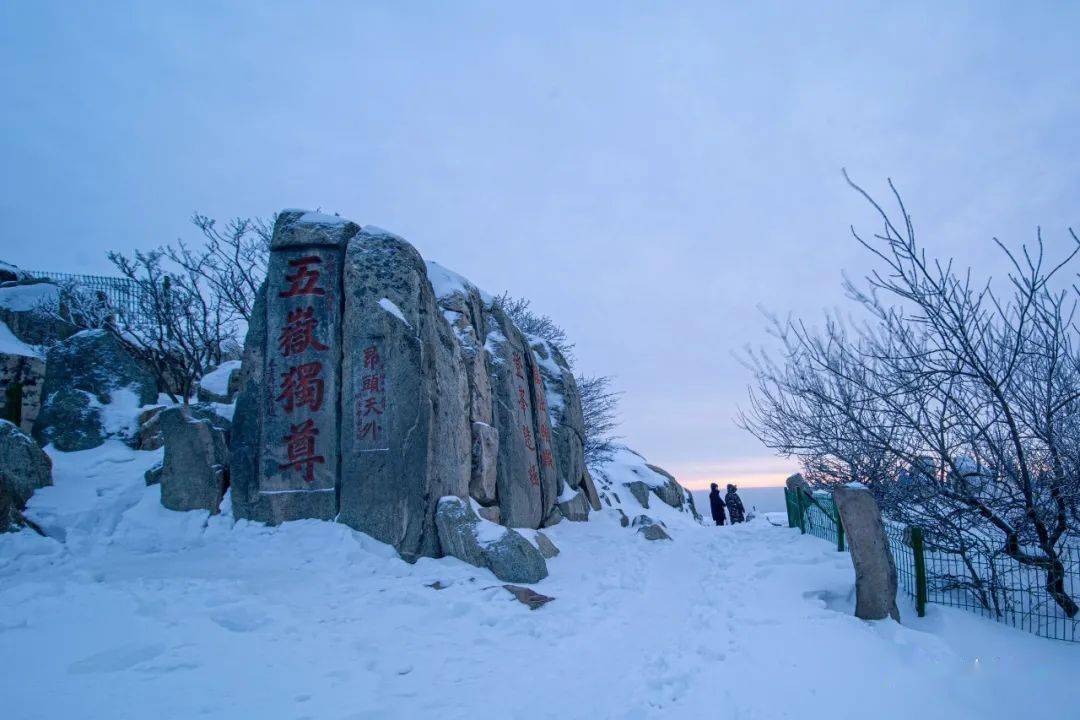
[734, 505]
[716, 505]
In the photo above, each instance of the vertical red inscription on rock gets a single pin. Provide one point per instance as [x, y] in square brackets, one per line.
[298, 335]
[302, 386]
[300, 450]
[303, 281]
[371, 403]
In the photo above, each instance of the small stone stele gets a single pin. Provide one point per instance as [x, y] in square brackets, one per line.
[875, 573]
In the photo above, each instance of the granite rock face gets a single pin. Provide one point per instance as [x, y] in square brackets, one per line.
[875, 572]
[485, 456]
[640, 491]
[504, 551]
[576, 507]
[564, 413]
[84, 373]
[405, 430]
[398, 384]
[285, 448]
[24, 467]
[671, 492]
[193, 475]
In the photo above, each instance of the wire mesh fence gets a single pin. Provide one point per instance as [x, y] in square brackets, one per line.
[119, 294]
[976, 578]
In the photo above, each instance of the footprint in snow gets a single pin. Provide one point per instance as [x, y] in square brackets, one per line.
[116, 659]
[239, 619]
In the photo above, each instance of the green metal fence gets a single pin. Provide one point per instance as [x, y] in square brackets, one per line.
[992, 585]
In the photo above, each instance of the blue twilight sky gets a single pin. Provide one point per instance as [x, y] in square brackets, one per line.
[647, 173]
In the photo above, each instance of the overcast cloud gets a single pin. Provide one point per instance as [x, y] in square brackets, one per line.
[647, 175]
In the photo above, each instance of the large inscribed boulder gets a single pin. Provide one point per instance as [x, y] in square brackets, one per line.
[405, 435]
[286, 435]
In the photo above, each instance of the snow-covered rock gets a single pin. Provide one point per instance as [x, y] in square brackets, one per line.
[468, 537]
[93, 389]
[193, 474]
[221, 384]
[627, 482]
[24, 468]
[22, 372]
[29, 308]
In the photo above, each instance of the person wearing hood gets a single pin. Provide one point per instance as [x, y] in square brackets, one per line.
[734, 505]
[716, 505]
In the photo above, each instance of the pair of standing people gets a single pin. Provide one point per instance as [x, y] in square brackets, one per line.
[731, 501]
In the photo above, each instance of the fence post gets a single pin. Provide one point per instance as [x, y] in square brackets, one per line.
[801, 504]
[918, 549]
[839, 530]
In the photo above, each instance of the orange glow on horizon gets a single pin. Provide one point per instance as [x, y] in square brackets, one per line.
[743, 472]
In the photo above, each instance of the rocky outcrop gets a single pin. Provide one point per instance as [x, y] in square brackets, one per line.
[640, 491]
[575, 507]
[505, 552]
[545, 546]
[405, 433]
[194, 472]
[83, 374]
[30, 308]
[485, 457]
[24, 468]
[406, 384]
[22, 373]
[875, 572]
[564, 413]
[671, 492]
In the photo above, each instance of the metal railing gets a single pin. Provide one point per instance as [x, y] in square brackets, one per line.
[992, 585]
[119, 294]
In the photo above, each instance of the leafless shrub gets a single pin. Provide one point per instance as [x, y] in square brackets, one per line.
[957, 401]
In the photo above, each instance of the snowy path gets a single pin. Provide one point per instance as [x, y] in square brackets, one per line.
[146, 613]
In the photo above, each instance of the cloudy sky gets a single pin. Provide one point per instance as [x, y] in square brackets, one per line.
[648, 175]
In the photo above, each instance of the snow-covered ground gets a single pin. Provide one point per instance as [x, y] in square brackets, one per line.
[141, 612]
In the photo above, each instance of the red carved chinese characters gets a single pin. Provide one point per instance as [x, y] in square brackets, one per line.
[301, 386]
[300, 450]
[546, 459]
[298, 335]
[303, 281]
[371, 403]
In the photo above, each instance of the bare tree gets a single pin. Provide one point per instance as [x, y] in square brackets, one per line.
[600, 410]
[178, 328]
[955, 400]
[531, 323]
[231, 264]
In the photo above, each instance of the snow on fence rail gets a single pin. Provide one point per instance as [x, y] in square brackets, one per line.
[992, 585]
[120, 294]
